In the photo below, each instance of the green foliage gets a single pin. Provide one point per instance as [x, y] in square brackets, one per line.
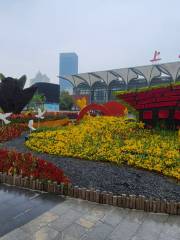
[1, 76]
[38, 100]
[44, 129]
[129, 107]
[66, 101]
[143, 89]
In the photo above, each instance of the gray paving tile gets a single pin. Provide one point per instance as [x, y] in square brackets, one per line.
[17, 234]
[171, 228]
[128, 227]
[65, 220]
[22, 206]
[85, 223]
[83, 206]
[60, 209]
[103, 207]
[96, 214]
[47, 233]
[115, 216]
[76, 219]
[74, 231]
[39, 222]
[124, 231]
[165, 236]
[136, 216]
[100, 232]
[151, 227]
[173, 220]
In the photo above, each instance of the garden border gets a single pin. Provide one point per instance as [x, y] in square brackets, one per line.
[124, 201]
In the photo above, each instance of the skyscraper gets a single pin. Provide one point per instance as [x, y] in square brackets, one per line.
[68, 65]
[39, 78]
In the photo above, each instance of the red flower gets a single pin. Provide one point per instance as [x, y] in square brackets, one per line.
[26, 164]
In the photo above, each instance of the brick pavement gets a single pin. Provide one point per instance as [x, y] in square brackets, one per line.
[74, 219]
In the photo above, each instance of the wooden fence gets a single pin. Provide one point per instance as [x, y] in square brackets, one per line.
[124, 201]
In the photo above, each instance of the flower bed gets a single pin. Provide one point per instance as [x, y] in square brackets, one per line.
[62, 114]
[116, 140]
[8, 132]
[48, 116]
[53, 123]
[13, 130]
[26, 165]
[156, 100]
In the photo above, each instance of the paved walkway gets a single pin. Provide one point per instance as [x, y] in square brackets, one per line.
[19, 206]
[27, 215]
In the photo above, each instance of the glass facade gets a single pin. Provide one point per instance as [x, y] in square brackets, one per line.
[137, 83]
[68, 65]
[160, 80]
[82, 89]
[101, 93]
[114, 86]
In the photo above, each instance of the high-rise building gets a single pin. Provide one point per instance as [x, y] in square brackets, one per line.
[68, 65]
[39, 78]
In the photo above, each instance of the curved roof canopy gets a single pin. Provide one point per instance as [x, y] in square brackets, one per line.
[148, 72]
[171, 69]
[125, 74]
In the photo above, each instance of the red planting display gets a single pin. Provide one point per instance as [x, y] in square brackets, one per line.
[108, 109]
[27, 165]
[156, 104]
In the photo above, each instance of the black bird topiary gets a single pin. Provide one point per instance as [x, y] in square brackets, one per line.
[13, 96]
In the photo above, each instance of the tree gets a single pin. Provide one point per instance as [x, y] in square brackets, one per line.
[1, 76]
[66, 101]
[37, 101]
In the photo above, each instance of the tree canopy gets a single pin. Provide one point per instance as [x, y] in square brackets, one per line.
[66, 101]
[38, 100]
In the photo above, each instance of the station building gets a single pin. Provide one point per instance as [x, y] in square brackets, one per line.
[99, 86]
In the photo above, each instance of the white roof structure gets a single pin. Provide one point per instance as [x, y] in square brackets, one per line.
[172, 69]
[149, 72]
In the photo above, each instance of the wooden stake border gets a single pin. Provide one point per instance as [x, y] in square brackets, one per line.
[124, 201]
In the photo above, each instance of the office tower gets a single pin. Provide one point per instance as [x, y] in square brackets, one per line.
[68, 65]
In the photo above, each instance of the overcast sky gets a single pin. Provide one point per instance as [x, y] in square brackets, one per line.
[104, 33]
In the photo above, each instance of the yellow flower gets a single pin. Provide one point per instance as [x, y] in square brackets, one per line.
[113, 139]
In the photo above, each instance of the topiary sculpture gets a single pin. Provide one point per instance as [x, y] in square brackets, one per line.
[13, 96]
